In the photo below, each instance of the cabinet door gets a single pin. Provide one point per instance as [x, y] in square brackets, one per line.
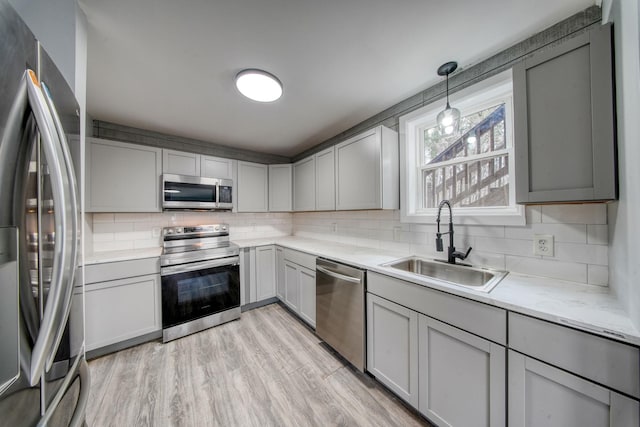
[543, 396]
[325, 180]
[265, 272]
[292, 286]
[253, 187]
[216, 167]
[462, 377]
[392, 346]
[307, 283]
[180, 163]
[122, 177]
[119, 310]
[304, 185]
[358, 173]
[280, 273]
[575, 79]
[280, 188]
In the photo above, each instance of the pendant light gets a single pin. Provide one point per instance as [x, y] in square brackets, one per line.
[449, 118]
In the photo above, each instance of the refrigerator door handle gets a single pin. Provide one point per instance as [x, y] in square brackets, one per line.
[69, 270]
[45, 342]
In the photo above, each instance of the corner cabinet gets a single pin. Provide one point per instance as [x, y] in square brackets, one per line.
[280, 188]
[564, 122]
[253, 187]
[122, 177]
[367, 171]
[304, 185]
[325, 180]
[298, 292]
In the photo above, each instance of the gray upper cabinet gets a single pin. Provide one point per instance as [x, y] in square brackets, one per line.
[367, 171]
[564, 122]
[325, 180]
[280, 188]
[304, 185]
[216, 167]
[253, 187]
[122, 177]
[180, 163]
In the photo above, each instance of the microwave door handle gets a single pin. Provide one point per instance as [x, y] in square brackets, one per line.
[72, 213]
[44, 342]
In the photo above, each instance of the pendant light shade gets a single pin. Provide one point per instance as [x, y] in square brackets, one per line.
[449, 118]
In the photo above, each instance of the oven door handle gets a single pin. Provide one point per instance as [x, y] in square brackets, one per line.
[166, 271]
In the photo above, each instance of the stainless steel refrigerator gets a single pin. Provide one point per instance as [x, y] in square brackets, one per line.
[44, 378]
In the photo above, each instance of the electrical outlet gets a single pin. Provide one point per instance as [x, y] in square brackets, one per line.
[543, 244]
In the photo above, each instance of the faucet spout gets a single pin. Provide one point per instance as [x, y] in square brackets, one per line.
[452, 254]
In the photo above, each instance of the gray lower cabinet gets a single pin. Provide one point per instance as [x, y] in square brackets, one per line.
[392, 346]
[564, 123]
[292, 286]
[461, 376]
[122, 177]
[257, 274]
[307, 284]
[122, 301]
[541, 395]
[265, 273]
[280, 273]
[299, 288]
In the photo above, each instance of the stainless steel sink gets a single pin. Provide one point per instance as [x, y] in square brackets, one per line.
[478, 279]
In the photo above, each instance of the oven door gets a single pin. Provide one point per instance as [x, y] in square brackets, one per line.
[199, 289]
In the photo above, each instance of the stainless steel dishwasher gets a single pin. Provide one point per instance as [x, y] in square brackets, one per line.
[340, 309]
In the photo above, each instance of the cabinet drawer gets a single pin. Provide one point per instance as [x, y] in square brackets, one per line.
[300, 258]
[607, 362]
[475, 317]
[117, 270]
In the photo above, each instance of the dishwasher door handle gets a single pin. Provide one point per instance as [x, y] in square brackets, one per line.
[338, 275]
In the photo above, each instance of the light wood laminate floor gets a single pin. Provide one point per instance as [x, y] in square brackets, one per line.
[267, 369]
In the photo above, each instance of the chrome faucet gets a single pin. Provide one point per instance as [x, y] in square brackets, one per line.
[452, 254]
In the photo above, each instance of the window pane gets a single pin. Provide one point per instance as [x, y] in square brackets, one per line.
[480, 132]
[474, 184]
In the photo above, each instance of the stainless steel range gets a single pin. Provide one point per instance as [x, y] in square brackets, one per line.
[200, 272]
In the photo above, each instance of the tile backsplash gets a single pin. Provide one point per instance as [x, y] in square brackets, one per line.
[123, 231]
[580, 235]
[579, 230]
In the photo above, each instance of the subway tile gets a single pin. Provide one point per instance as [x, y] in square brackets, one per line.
[575, 272]
[570, 233]
[588, 213]
[598, 275]
[598, 234]
[133, 217]
[134, 235]
[102, 217]
[116, 245]
[588, 254]
[486, 259]
[112, 227]
[476, 230]
[103, 237]
[505, 246]
[533, 214]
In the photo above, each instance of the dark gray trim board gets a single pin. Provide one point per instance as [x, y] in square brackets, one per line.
[99, 352]
[117, 132]
[568, 28]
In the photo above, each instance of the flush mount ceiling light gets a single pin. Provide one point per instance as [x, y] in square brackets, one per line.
[449, 118]
[258, 85]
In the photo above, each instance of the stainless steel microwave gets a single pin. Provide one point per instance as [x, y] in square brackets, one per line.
[194, 192]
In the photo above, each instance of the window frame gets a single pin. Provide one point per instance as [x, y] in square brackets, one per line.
[482, 95]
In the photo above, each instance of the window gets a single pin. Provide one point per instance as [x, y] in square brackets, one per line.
[470, 169]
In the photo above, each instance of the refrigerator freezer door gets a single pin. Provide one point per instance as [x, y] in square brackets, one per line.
[9, 314]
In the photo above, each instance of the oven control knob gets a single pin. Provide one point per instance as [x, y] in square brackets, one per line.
[179, 230]
[224, 228]
[168, 231]
[216, 228]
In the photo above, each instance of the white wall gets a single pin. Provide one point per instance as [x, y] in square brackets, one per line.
[624, 215]
[580, 231]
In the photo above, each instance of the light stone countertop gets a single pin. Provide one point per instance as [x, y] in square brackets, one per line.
[587, 307]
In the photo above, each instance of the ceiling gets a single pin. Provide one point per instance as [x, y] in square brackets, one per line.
[168, 66]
